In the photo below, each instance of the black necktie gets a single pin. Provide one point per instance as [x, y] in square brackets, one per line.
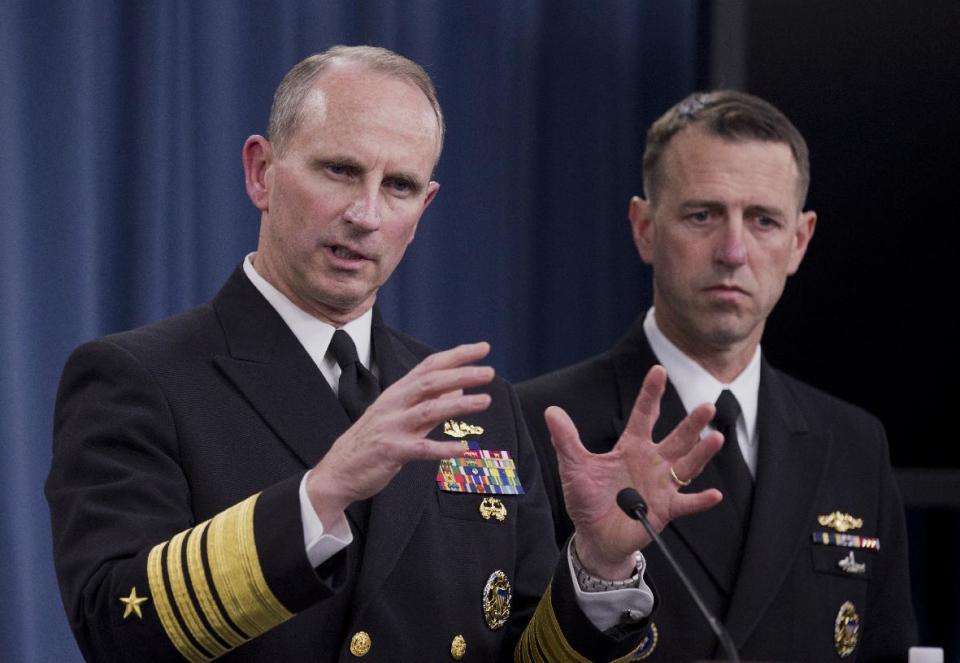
[729, 460]
[358, 388]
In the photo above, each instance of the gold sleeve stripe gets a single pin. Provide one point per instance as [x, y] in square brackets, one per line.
[543, 640]
[168, 620]
[208, 587]
[181, 596]
[237, 576]
[198, 578]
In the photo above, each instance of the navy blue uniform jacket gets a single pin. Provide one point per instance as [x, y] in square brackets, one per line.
[781, 598]
[178, 452]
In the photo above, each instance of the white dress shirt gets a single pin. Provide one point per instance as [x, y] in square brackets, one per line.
[695, 386]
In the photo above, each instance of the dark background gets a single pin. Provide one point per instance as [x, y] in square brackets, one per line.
[875, 87]
[121, 201]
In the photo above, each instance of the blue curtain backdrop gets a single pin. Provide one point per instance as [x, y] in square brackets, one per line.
[122, 200]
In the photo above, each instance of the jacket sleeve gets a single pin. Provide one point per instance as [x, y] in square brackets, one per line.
[558, 630]
[142, 578]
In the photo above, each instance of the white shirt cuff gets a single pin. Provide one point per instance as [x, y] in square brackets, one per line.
[605, 609]
[319, 544]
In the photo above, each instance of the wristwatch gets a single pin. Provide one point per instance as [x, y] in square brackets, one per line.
[589, 583]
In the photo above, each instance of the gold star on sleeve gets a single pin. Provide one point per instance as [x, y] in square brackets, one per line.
[132, 603]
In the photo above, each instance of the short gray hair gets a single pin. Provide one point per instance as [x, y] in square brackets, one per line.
[286, 114]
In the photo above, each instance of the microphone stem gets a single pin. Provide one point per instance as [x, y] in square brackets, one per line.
[715, 624]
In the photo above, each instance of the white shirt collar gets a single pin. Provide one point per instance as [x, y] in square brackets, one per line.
[695, 385]
[314, 334]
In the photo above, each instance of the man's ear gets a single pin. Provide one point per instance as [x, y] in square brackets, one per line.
[640, 214]
[806, 224]
[257, 162]
[432, 189]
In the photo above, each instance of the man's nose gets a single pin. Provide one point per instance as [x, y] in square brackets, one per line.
[364, 210]
[732, 250]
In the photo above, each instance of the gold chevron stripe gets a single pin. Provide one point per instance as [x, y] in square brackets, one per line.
[165, 611]
[543, 640]
[181, 596]
[201, 589]
[237, 575]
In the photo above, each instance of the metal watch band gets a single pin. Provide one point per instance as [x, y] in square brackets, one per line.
[589, 583]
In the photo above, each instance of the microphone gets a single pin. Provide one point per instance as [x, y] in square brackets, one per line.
[632, 504]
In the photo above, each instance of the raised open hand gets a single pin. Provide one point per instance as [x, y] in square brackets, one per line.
[606, 537]
[392, 431]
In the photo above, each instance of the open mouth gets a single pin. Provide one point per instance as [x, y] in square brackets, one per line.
[344, 253]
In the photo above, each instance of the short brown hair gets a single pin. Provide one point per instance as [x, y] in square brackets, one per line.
[728, 114]
[286, 112]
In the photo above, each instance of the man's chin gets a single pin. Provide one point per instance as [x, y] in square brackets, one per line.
[727, 334]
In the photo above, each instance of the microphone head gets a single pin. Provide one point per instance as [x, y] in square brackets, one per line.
[630, 502]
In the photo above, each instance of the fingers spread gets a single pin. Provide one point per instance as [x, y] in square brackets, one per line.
[416, 388]
[646, 408]
[687, 433]
[427, 449]
[458, 356]
[563, 434]
[691, 465]
[422, 417]
[687, 504]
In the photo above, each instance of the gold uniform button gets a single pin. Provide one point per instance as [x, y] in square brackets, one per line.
[458, 648]
[360, 643]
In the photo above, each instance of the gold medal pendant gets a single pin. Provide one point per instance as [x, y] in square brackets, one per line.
[846, 630]
[497, 595]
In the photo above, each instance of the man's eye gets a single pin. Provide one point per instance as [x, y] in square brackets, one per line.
[767, 222]
[400, 185]
[341, 170]
[700, 217]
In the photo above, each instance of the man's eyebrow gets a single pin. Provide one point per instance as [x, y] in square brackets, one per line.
[336, 159]
[698, 203]
[765, 210]
[413, 181]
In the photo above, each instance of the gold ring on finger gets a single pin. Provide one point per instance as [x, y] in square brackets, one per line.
[677, 480]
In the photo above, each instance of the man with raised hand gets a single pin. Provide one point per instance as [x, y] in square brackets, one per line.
[278, 475]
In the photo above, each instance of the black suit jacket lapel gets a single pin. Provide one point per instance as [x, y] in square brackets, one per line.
[395, 511]
[632, 358]
[270, 367]
[791, 466]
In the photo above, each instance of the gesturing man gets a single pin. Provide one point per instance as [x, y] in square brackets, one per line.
[278, 475]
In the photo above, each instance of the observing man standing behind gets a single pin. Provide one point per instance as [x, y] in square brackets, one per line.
[805, 558]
